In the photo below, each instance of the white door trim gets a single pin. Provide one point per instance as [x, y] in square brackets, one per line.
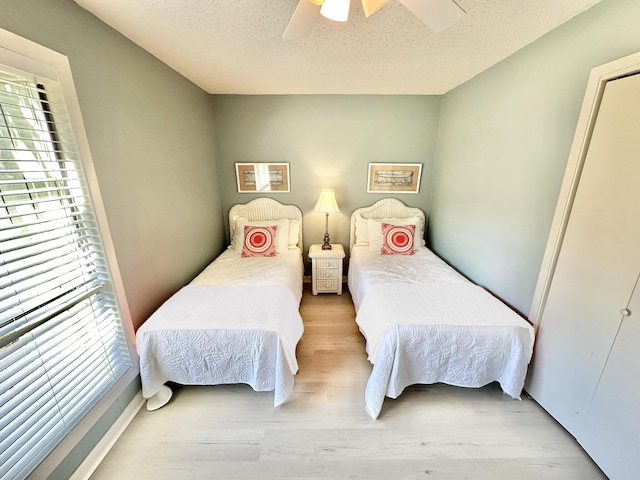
[598, 78]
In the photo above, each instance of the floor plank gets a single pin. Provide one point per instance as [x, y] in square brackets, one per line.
[430, 432]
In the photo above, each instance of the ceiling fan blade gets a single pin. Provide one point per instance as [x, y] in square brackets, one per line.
[435, 14]
[372, 6]
[302, 21]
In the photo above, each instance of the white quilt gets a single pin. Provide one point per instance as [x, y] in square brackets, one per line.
[237, 322]
[449, 331]
[368, 268]
[229, 269]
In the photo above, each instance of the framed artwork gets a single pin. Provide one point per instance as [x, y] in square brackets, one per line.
[394, 177]
[262, 177]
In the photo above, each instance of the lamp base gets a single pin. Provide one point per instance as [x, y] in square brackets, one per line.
[326, 245]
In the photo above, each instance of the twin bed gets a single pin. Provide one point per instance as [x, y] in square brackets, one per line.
[424, 322]
[238, 321]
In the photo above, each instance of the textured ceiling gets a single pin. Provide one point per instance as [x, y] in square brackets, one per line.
[236, 46]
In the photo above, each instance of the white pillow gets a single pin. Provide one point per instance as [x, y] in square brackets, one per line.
[282, 233]
[362, 230]
[375, 231]
[294, 227]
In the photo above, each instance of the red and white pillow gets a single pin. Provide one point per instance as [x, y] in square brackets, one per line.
[259, 241]
[397, 239]
[282, 233]
[375, 231]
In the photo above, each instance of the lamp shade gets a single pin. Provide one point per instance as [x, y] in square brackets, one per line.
[337, 10]
[326, 202]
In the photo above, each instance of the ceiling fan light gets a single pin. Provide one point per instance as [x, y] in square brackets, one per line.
[337, 10]
[372, 6]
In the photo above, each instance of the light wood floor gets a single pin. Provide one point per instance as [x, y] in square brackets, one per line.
[430, 432]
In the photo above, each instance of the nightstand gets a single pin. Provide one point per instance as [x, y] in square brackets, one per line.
[326, 269]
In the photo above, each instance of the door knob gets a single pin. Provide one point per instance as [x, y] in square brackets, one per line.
[625, 312]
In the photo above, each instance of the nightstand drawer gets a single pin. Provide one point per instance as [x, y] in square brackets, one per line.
[327, 285]
[327, 274]
[328, 262]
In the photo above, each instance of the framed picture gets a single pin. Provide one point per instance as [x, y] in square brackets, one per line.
[262, 177]
[394, 177]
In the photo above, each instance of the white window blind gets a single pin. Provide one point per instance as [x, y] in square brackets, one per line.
[62, 344]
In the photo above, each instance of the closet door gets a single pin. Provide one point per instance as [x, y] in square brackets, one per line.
[597, 266]
[611, 430]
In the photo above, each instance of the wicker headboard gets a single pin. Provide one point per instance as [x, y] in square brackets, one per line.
[265, 209]
[385, 208]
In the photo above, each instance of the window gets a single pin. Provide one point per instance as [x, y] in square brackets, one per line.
[62, 341]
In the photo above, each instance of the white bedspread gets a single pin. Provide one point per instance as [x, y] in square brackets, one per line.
[368, 269]
[229, 269]
[237, 322]
[438, 328]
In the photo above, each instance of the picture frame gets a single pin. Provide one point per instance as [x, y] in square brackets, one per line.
[263, 177]
[394, 177]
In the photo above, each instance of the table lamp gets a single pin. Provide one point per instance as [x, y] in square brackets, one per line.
[326, 204]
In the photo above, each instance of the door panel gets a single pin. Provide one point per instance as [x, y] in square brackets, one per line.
[598, 263]
[611, 429]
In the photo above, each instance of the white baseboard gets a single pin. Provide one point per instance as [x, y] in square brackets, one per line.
[90, 464]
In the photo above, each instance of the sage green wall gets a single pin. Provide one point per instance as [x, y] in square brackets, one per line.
[503, 143]
[151, 136]
[328, 140]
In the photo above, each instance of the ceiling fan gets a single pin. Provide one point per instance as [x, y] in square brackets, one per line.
[435, 14]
